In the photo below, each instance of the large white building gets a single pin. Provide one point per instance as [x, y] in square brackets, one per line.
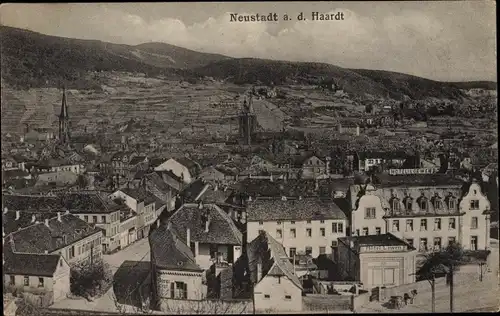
[310, 225]
[427, 215]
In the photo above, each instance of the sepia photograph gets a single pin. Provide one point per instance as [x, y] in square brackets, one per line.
[320, 157]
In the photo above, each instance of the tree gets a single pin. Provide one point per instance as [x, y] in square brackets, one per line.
[442, 262]
[90, 278]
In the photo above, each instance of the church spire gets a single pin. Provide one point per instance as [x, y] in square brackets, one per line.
[64, 135]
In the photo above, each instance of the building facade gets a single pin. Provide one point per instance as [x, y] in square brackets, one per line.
[302, 225]
[377, 260]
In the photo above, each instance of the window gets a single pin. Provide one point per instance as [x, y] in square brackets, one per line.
[409, 225]
[451, 240]
[370, 212]
[408, 203]
[423, 204]
[309, 222]
[267, 296]
[365, 231]
[293, 233]
[322, 250]
[261, 231]
[292, 222]
[322, 232]
[334, 243]
[423, 224]
[103, 219]
[309, 250]
[409, 241]
[340, 227]
[451, 223]
[451, 203]
[60, 263]
[395, 225]
[357, 232]
[178, 290]
[278, 223]
[94, 218]
[12, 280]
[474, 204]
[288, 297]
[438, 204]
[423, 244]
[308, 232]
[293, 251]
[437, 243]
[261, 223]
[322, 221]
[377, 230]
[26, 280]
[389, 276]
[86, 218]
[473, 224]
[334, 228]
[395, 205]
[40, 282]
[279, 233]
[437, 224]
[71, 252]
[473, 243]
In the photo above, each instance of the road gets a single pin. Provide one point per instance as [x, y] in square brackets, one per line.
[470, 294]
[128, 267]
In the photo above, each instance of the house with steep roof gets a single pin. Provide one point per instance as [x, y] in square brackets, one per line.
[184, 168]
[65, 234]
[175, 275]
[276, 287]
[428, 215]
[209, 231]
[40, 274]
[303, 225]
[377, 260]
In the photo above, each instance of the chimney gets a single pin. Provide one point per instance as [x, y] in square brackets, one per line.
[169, 225]
[5, 210]
[66, 212]
[59, 216]
[33, 218]
[46, 252]
[259, 271]
[200, 205]
[207, 225]
[249, 199]
[158, 223]
[271, 178]
[316, 185]
[18, 215]
[283, 198]
[47, 222]
[188, 236]
[300, 197]
[352, 244]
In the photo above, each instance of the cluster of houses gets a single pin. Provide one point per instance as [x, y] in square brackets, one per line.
[221, 234]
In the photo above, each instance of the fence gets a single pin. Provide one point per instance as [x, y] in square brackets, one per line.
[39, 300]
[330, 303]
[206, 306]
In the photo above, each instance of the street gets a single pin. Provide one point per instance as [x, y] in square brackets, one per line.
[129, 267]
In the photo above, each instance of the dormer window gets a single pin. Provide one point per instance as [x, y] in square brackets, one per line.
[437, 202]
[452, 202]
[423, 203]
[395, 204]
[408, 202]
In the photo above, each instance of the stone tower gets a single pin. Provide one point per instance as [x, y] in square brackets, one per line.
[64, 126]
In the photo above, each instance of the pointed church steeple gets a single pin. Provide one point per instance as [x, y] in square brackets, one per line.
[64, 128]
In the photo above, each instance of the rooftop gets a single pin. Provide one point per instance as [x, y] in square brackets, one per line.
[221, 228]
[39, 238]
[293, 209]
[42, 265]
[264, 249]
[11, 224]
[170, 252]
[374, 240]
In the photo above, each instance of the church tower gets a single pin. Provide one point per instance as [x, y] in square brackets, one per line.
[247, 122]
[64, 128]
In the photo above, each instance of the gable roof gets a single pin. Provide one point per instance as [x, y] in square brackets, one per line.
[264, 249]
[43, 265]
[139, 194]
[11, 224]
[222, 229]
[170, 252]
[39, 238]
[193, 167]
[293, 209]
[290, 187]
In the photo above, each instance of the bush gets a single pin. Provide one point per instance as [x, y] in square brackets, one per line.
[91, 279]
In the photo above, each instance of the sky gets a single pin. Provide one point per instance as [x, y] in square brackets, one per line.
[440, 40]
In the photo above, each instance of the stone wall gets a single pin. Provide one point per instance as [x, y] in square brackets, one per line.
[206, 306]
